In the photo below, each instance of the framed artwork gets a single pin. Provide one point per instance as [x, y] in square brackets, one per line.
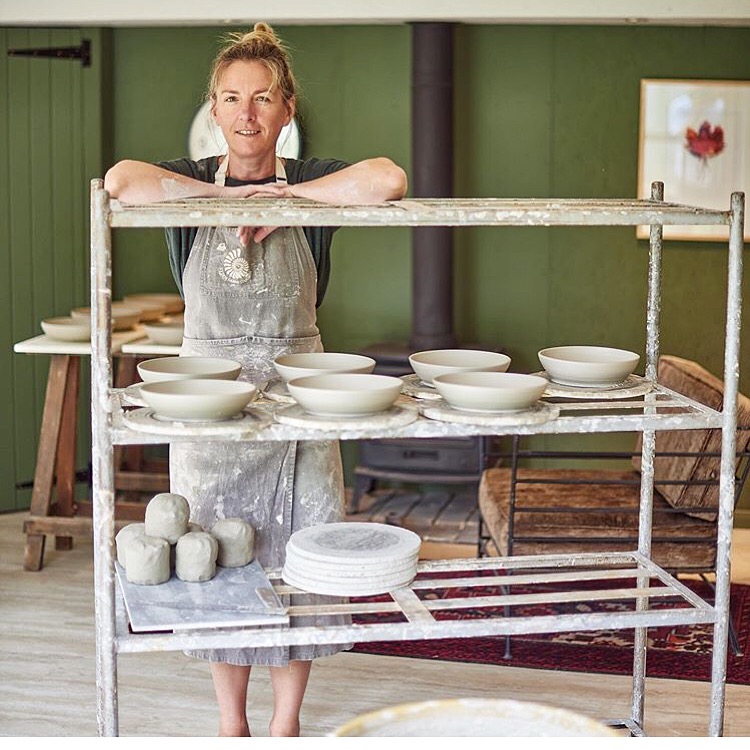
[695, 138]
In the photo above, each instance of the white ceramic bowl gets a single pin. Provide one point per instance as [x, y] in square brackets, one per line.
[173, 302]
[587, 365]
[307, 364]
[67, 329]
[490, 391]
[123, 316]
[166, 332]
[428, 365]
[198, 400]
[188, 368]
[345, 394]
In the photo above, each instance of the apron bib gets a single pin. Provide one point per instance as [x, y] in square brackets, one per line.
[251, 305]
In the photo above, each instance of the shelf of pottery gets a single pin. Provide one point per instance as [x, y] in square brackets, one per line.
[332, 395]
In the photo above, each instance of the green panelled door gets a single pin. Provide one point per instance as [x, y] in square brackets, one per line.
[50, 142]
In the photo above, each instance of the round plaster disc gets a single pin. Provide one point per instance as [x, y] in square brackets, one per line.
[345, 589]
[132, 394]
[631, 387]
[146, 420]
[296, 416]
[537, 414]
[277, 391]
[415, 387]
[355, 541]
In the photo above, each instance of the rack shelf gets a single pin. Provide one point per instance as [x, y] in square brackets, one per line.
[653, 596]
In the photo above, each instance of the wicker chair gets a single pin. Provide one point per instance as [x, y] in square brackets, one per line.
[532, 511]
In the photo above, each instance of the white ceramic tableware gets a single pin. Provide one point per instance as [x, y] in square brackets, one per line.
[345, 394]
[588, 365]
[429, 364]
[173, 302]
[198, 400]
[67, 329]
[307, 364]
[123, 316]
[165, 332]
[188, 368]
[490, 391]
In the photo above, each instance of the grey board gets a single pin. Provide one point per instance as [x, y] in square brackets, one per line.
[234, 597]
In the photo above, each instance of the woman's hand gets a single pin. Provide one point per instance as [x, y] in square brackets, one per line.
[267, 190]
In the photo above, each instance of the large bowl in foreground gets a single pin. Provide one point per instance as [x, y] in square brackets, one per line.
[198, 400]
[588, 365]
[188, 368]
[490, 391]
[345, 394]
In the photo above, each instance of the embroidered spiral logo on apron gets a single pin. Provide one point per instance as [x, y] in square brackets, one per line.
[234, 267]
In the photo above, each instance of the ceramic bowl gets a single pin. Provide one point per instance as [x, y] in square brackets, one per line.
[587, 365]
[198, 400]
[188, 368]
[345, 394]
[307, 364]
[172, 302]
[67, 329]
[166, 332]
[490, 391]
[428, 365]
[123, 316]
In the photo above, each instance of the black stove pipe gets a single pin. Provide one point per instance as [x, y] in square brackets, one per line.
[432, 177]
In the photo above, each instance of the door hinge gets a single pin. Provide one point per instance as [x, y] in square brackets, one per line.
[82, 53]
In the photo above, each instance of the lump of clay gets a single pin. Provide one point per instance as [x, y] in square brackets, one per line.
[147, 560]
[124, 535]
[167, 516]
[236, 542]
[196, 554]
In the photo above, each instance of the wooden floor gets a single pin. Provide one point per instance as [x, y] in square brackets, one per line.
[47, 674]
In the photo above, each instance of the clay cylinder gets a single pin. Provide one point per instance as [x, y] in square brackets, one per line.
[196, 554]
[147, 560]
[124, 535]
[167, 516]
[236, 540]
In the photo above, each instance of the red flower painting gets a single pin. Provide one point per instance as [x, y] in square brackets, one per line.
[706, 143]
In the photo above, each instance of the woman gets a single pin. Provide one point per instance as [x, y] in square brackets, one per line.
[250, 295]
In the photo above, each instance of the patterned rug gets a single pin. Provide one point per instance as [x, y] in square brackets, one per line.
[681, 652]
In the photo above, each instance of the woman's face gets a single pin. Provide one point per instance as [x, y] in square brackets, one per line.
[248, 112]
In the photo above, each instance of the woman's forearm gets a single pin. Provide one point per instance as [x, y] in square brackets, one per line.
[140, 182]
[369, 181]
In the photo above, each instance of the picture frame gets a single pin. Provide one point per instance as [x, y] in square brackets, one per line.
[694, 136]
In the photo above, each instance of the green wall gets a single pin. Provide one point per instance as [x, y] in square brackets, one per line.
[540, 111]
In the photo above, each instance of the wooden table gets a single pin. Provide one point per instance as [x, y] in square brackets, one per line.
[53, 509]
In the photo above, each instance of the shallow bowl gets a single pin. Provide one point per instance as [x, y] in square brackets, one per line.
[198, 400]
[490, 391]
[345, 394]
[168, 333]
[307, 364]
[430, 364]
[587, 365]
[188, 368]
[173, 302]
[67, 329]
[123, 316]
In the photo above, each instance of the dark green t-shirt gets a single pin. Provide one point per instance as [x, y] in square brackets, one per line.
[180, 239]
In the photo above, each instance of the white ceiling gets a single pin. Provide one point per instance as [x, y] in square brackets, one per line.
[203, 12]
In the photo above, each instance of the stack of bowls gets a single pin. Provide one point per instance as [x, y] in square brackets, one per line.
[351, 559]
[194, 389]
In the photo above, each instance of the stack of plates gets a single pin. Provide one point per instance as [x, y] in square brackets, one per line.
[351, 559]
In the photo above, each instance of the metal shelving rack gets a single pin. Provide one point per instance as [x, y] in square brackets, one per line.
[411, 617]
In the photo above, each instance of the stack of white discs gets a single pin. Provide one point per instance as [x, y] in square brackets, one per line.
[351, 559]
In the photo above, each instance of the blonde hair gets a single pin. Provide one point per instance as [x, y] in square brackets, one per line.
[260, 44]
